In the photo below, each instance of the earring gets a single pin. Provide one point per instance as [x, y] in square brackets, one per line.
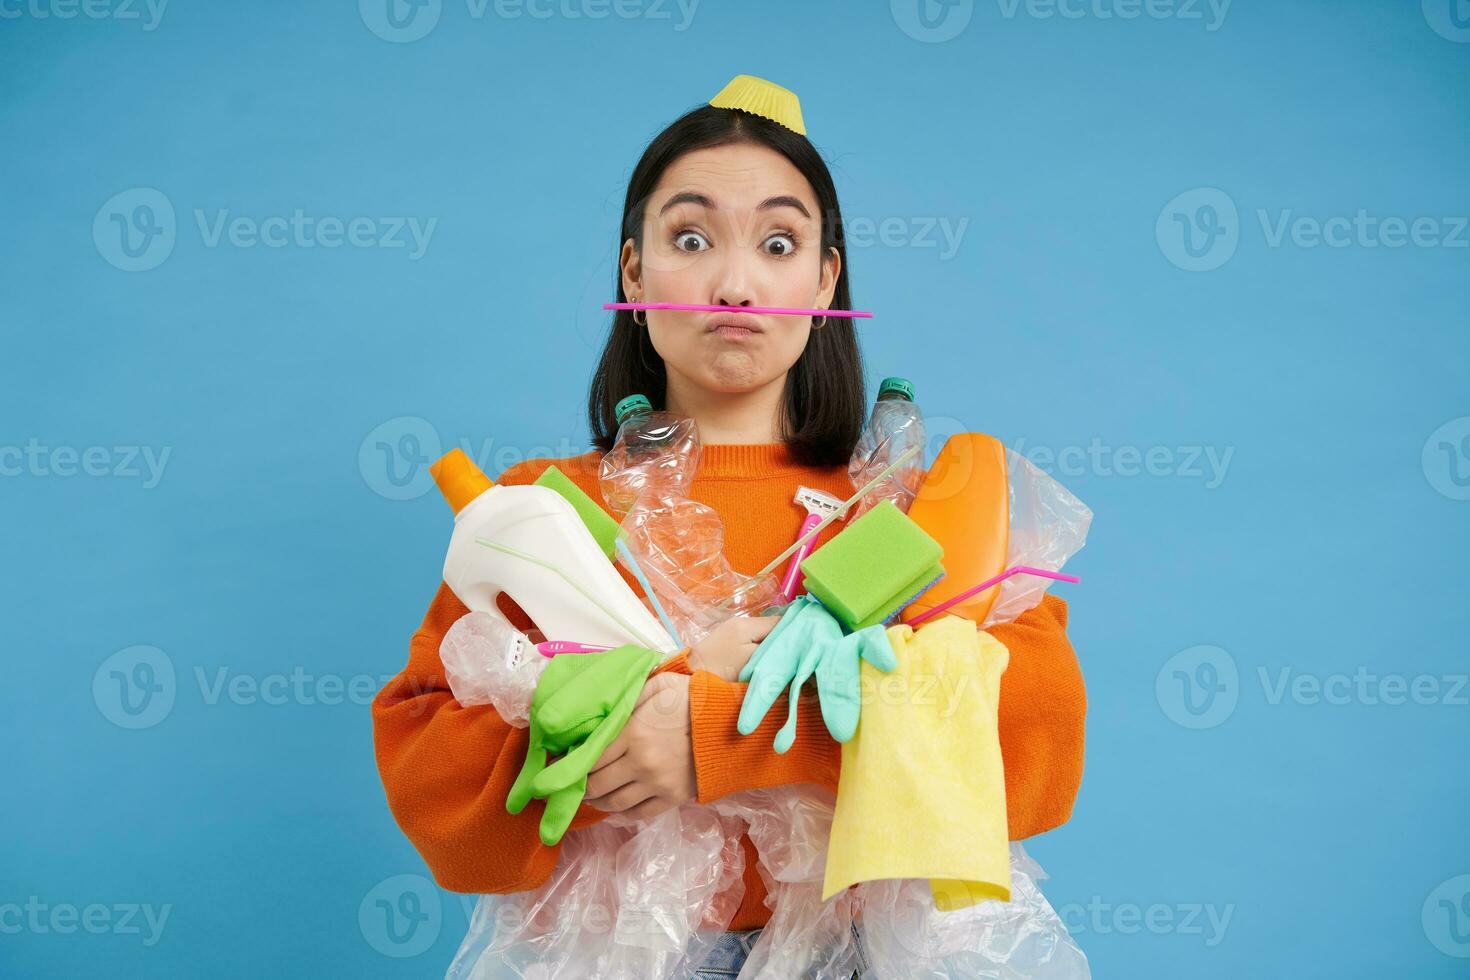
[637, 322]
[819, 326]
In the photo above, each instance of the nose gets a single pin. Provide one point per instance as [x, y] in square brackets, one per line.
[734, 284]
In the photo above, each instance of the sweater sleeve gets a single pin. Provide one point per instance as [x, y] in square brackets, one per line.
[727, 762]
[1042, 706]
[447, 769]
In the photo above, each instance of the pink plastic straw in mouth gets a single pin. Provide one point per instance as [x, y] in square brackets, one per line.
[702, 308]
[1013, 570]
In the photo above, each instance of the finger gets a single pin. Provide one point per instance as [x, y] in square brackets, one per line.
[624, 798]
[650, 808]
[760, 627]
[609, 778]
[612, 753]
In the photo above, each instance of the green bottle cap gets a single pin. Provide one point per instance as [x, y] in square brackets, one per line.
[630, 405]
[900, 386]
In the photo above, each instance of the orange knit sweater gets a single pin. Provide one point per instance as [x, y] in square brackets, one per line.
[447, 769]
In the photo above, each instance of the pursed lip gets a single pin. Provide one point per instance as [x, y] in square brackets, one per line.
[744, 321]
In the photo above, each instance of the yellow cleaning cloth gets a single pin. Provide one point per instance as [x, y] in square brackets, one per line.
[922, 793]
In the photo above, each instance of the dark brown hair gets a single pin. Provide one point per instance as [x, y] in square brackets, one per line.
[824, 406]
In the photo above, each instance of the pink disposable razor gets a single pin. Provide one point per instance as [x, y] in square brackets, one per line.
[550, 648]
[818, 505]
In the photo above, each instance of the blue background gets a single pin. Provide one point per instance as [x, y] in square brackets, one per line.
[274, 543]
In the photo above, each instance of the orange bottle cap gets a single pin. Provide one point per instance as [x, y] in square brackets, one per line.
[459, 479]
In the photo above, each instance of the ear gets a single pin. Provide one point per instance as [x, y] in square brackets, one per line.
[827, 285]
[632, 266]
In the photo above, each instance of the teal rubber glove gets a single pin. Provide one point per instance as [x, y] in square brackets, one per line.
[838, 672]
[581, 704]
[786, 657]
[808, 640]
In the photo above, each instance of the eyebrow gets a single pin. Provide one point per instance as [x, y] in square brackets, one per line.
[691, 197]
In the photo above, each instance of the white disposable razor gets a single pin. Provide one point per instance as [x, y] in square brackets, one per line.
[818, 505]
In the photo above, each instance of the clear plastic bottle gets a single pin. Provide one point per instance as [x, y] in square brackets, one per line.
[678, 542]
[896, 424]
[655, 452]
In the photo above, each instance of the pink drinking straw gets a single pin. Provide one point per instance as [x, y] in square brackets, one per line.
[702, 308]
[1013, 570]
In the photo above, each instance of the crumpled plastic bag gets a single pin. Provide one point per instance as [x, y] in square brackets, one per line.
[489, 662]
[624, 901]
[649, 901]
[1048, 525]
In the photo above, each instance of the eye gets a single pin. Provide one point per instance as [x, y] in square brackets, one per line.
[779, 244]
[690, 241]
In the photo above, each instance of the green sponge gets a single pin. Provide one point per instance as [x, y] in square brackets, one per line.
[604, 529]
[874, 567]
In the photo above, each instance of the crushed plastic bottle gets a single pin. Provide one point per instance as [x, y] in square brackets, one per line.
[678, 542]
[655, 452]
[896, 424]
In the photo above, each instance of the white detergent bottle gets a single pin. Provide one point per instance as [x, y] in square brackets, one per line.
[541, 554]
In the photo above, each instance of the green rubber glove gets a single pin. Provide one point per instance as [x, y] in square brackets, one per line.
[561, 671]
[582, 702]
[837, 677]
[787, 656]
[603, 698]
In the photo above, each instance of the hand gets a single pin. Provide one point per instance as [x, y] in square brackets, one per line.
[727, 647]
[581, 705]
[649, 767]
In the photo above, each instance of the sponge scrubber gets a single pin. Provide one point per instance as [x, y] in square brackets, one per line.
[604, 529]
[873, 567]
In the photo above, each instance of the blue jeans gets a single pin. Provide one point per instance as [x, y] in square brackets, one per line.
[728, 956]
[732, 949]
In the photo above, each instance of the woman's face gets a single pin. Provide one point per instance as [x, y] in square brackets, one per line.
[734, 225]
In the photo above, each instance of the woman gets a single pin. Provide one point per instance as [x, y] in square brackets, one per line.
[726, 207]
